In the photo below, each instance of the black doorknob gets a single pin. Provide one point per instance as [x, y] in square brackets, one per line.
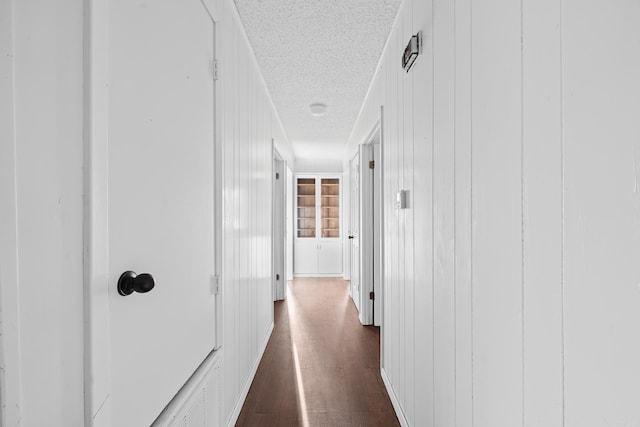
[130, 282]
[351, 237]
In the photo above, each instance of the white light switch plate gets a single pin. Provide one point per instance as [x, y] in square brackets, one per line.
[401, 199]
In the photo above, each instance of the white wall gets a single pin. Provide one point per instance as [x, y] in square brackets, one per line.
[9, 314]
[249, 122]
[511, 282]
[41, 74]
[304, 165]
[43, 45]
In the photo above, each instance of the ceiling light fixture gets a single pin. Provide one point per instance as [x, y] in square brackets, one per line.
[318, 108]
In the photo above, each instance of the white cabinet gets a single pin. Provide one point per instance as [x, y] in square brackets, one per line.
[305, 256]
[330, 257]
[318, 257]
[318, 238]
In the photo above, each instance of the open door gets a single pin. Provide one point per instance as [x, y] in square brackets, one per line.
[369, 225]
[354, 234]
[370, 231]
[377, 231]
[155, 207]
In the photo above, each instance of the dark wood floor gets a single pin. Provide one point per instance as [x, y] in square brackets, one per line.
[321, 367]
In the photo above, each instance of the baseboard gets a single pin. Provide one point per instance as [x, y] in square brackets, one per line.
[245, 390]
[394, 399]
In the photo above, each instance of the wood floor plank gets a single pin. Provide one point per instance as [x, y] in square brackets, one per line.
[320, 367]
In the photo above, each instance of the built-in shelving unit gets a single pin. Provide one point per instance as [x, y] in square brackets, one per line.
[318, 243]
[330, 204]
[306, 207]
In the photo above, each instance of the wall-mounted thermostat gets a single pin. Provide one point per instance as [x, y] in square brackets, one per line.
[401, 199]
[411, 52]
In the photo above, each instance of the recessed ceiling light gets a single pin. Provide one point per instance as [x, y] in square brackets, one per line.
[318, 108]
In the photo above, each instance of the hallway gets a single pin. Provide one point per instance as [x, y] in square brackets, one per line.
[321, 367]
[150, 153]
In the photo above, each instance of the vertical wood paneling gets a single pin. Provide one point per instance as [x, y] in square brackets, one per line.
[228, 130]
[601, 103]
[388, 141]
[249, 176]
[542, 215]
[444, 213]
[423, 214]
[387, 197]
[9, 296]
[234, 279]
[393, 227]
[497, 202]
[48, 125]
[463, 216]
[234, 384]
[244, 114]
[406, 173]
[249, 124]
[405, 390]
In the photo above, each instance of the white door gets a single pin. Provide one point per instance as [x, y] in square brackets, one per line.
[161, 201]
[354, 236]
[377, 235]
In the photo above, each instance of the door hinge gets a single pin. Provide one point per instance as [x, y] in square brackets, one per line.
[372, 164]
[372, 295]
[277, 175]
[277, 277]
[215, 284]
[216, 69]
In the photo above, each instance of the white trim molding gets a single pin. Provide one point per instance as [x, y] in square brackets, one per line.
[247, 385]
[96, 208]
[394, 399]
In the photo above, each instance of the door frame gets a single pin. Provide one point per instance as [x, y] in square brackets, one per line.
[97, 366]
[357, 299]
[278, 227]
[370, 238]
[289, 218]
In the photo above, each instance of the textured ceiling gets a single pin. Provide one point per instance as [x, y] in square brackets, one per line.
[318, 51]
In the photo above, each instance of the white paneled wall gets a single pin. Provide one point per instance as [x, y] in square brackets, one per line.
[249, 123]
[542, 188]
[511, 281]
[601, 211]
[9, 296]
[41, 213]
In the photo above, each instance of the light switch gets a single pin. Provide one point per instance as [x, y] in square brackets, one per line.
[401, 199]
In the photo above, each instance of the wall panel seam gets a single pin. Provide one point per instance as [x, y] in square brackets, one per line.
[455, 224]
[412, 213]
[562, 210]
[472, 228]
[433, 246]
[522, 208]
